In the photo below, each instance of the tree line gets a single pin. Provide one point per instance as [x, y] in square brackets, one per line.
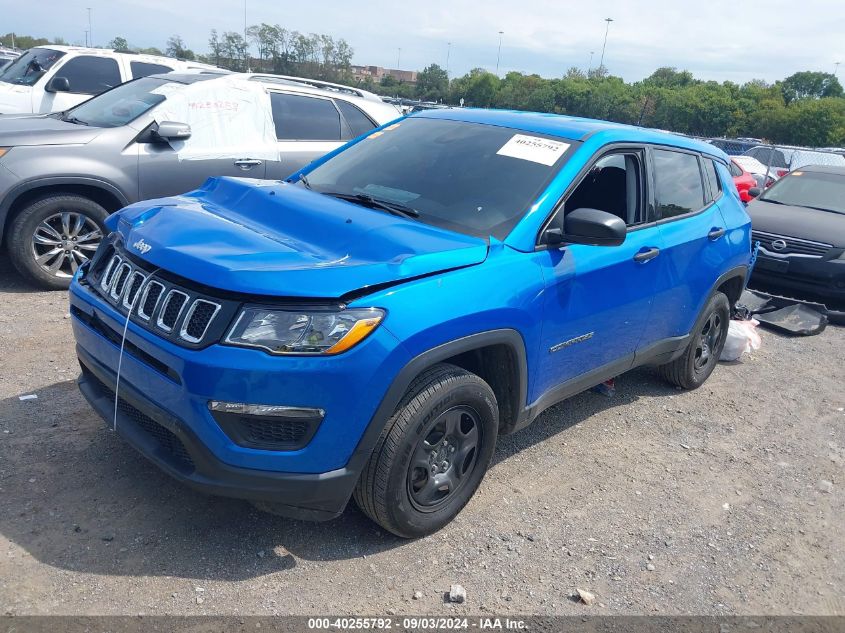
[807, 108]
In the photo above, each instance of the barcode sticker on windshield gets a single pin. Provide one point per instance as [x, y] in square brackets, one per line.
[533, 148]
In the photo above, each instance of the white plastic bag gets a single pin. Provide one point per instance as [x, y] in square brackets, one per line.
[742, 338]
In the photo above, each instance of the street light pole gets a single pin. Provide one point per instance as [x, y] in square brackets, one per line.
[607, 28]
[90, 30]
[836, 68]
[590, 67]
[499, 54]
[448, 51]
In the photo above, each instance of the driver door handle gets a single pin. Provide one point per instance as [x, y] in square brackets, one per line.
[247, 163]
[646, 255]
[715, 234]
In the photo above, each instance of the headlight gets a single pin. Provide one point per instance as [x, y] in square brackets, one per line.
[4, 151]
[303, 332]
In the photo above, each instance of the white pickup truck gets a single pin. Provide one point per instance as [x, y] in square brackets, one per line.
[54, 78]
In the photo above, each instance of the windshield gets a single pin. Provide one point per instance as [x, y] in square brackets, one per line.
[120, 105]
[809, 189]
[30, 67]
[467, 177]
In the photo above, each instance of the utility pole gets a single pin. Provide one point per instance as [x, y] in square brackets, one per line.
[608, 20]
[448, 51]
[90, 29]
[590, 66]
[86, 38]
[499, 54]
[398, 58]
[246, 43]
[836, 68]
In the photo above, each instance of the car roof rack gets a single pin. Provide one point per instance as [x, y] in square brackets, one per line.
[314, 83]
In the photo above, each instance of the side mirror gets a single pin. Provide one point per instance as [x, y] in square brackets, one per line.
[754, 192]
[594, 227]
[58, 84]
[173, 131]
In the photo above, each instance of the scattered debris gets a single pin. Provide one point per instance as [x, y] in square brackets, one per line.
[650, 567]
[457, 594]
[586, 597]
[825, 486]
[418, 595]
[29, 396]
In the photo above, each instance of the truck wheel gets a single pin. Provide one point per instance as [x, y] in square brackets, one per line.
[51, 237]
[433, 453]
[702, 354]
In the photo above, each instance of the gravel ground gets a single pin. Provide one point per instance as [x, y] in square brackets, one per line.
[726, 500]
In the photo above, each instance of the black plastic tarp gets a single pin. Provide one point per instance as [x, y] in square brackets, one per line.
[782, 314]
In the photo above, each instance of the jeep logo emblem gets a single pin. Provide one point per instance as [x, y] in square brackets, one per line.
[144, 248]
[778, 245]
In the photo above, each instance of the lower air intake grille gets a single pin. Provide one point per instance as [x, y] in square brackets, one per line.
[162, 436]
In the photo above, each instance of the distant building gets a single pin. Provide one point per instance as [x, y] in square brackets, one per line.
[377, 73]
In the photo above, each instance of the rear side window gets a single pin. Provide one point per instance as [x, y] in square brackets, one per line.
[300, 118]
[359, 123]
[677, 181]
[734, 169]
[712, 177]
[90, 75]
[144, 69]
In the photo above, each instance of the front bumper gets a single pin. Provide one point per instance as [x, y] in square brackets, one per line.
[163, 410]
[822, 277]
[171, 445]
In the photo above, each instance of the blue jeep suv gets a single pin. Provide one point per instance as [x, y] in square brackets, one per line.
[370, 326]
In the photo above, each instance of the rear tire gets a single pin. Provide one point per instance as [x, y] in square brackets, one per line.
[432, 454]
[51, 237]
[698, 361]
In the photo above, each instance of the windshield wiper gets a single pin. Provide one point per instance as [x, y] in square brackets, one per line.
[807, 206]
[396, 208]
[304, 180]
[73, 119]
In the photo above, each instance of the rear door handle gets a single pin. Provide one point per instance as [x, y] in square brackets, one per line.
[715, 234]
[646, 255]
[247, 163]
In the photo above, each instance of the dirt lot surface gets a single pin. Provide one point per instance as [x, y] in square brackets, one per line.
[726, 500]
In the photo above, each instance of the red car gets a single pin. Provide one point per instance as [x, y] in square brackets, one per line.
[743, 181]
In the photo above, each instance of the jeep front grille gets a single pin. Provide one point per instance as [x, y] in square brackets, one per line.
[178, 313]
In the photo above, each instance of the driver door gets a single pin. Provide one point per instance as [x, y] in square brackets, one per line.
[598, 298]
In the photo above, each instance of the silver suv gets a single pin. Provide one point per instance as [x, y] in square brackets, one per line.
[61, 174]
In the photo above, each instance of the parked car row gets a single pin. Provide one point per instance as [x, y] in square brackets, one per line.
[7, 56]
[56, 78]
[61, 174]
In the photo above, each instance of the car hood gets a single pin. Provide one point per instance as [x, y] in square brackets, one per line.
[43, 129]
[276, 239]
[800, 222]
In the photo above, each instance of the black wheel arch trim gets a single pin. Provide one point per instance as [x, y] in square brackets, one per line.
[37, 183]
[423, 361]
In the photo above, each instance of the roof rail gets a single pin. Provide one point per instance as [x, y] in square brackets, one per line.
[314, 83]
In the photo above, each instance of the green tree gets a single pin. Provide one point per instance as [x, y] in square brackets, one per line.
[810, 85]
[432, 83]
[119, 44]
[176, 48]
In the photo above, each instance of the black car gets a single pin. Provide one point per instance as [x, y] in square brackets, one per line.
[800, 224]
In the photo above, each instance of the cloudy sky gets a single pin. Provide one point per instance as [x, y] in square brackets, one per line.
[715, 39]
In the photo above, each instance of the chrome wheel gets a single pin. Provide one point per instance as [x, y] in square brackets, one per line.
[64, 241]
[444, 458]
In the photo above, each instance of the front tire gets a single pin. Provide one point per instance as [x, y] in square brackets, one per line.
[705, 347]
[51, 237]
[432, 454]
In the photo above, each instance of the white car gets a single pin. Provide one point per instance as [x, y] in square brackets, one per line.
[54, 78]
